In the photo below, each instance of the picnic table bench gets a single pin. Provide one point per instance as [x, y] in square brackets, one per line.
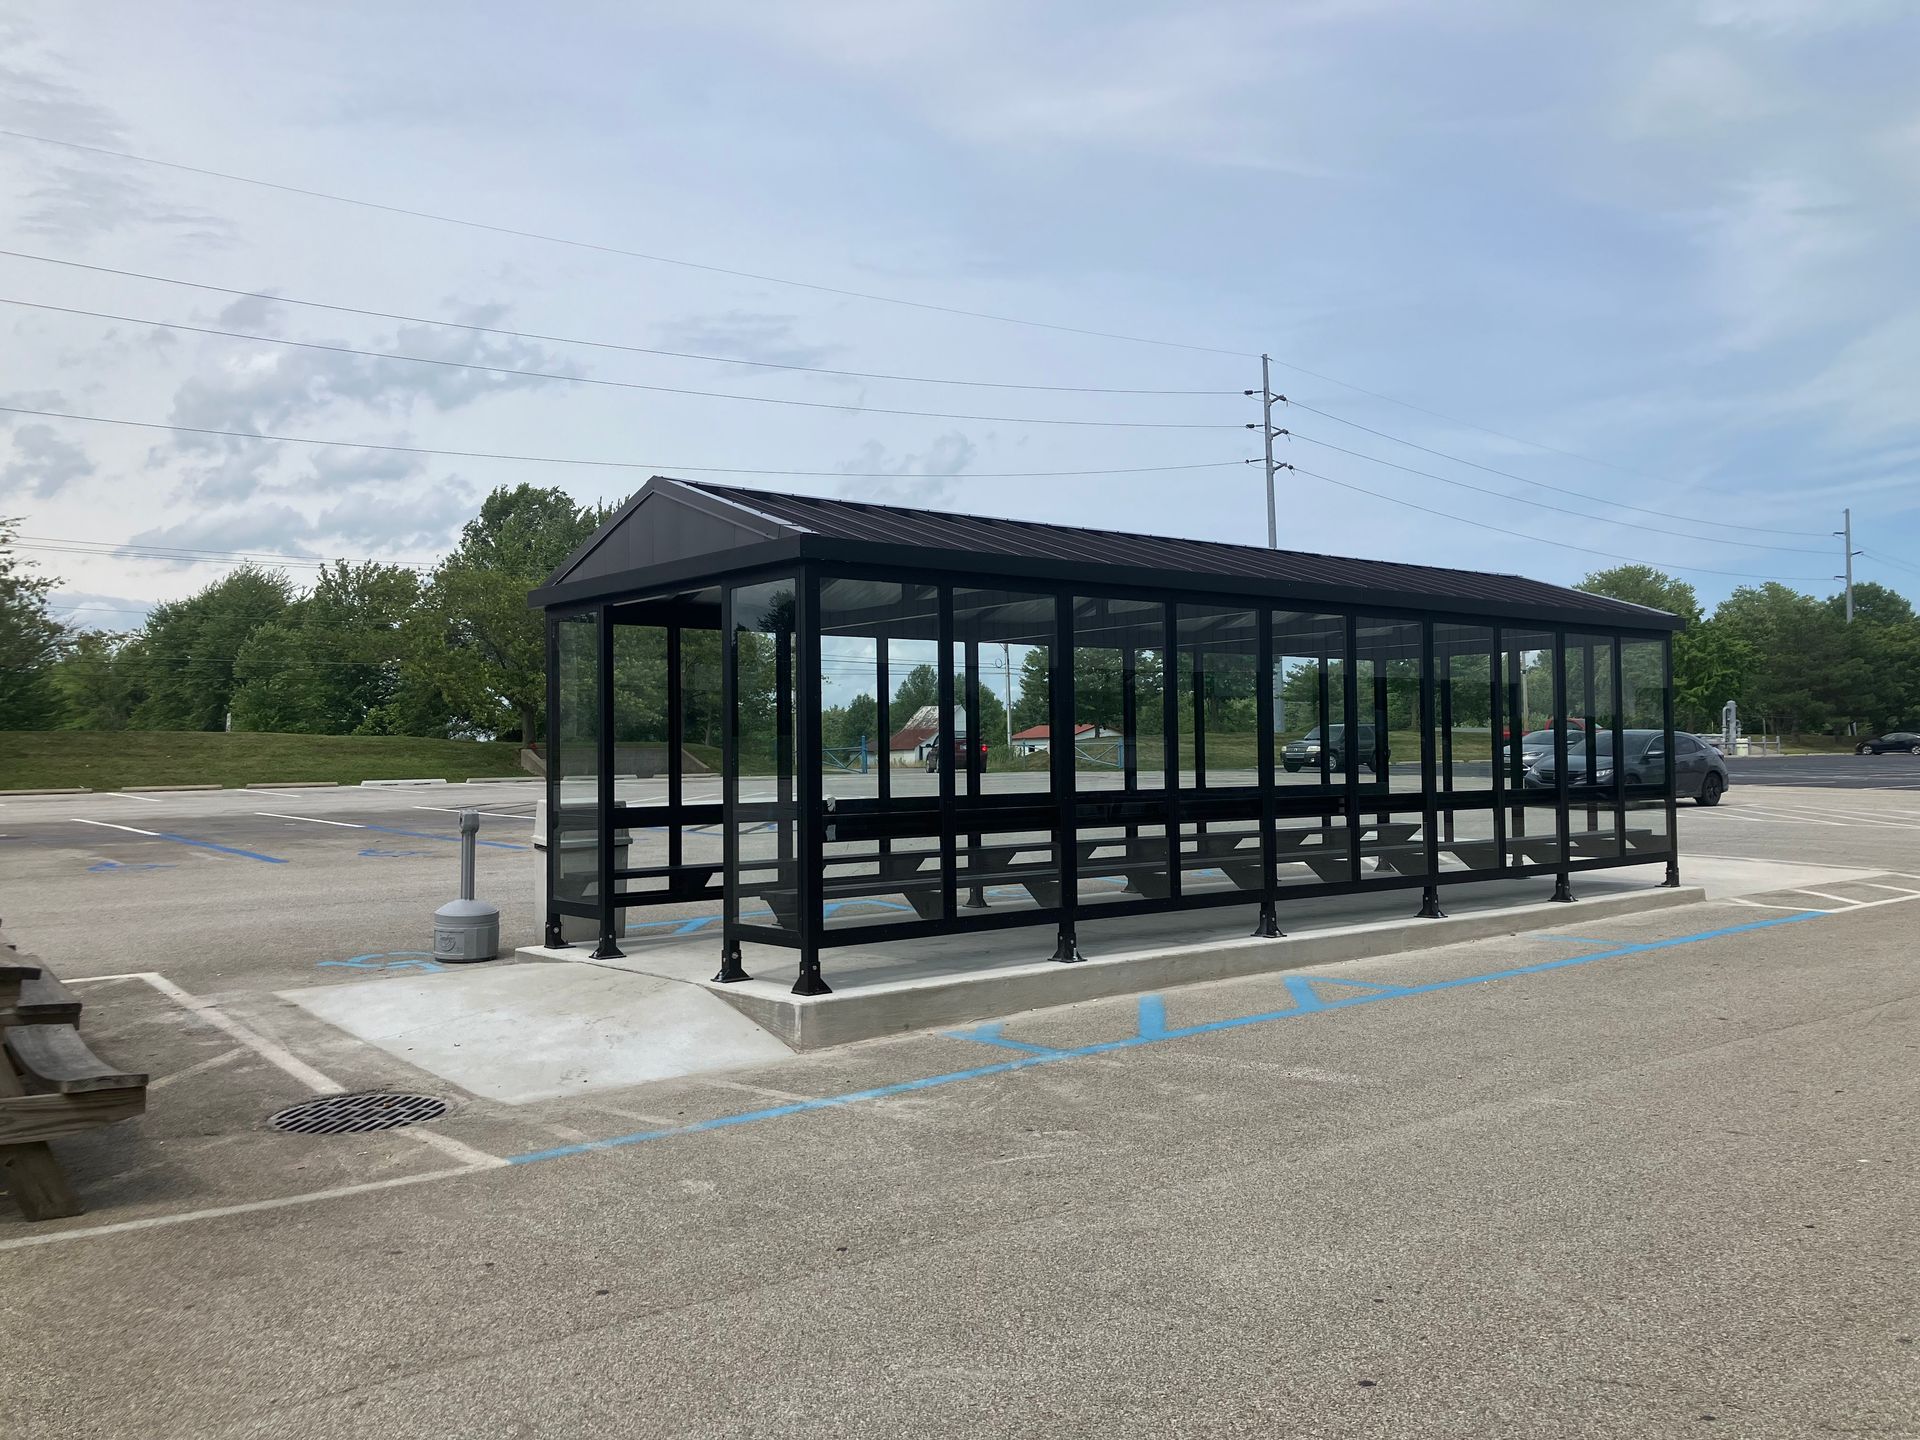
[51, 1085]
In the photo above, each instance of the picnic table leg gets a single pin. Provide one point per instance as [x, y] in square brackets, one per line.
[1430, 904]
[34, 1177]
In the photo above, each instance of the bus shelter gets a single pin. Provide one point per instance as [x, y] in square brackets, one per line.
[847, 723]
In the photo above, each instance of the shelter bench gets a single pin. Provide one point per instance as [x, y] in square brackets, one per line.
[51, 1086]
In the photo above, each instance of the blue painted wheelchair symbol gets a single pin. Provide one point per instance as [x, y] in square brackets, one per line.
[389, 962]
[101, 867]
[374, 853]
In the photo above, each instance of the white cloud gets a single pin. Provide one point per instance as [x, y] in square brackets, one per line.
[38, 460]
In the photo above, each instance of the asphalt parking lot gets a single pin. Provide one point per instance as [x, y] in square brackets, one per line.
[1645, 1178]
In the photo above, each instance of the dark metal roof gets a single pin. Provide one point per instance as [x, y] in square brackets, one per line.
[713, 519]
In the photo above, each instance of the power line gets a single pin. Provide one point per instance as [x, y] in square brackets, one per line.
[1543, 540]
[1878, 558]
[615, 249]
[616, 384]
[401, 318]
[1560, 509]
[1557, 489]
[649, 465]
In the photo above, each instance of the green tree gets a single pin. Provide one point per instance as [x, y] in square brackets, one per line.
[92, 677]
[1794, 641]
[185, 660]
[30, 642]
[1644, 585]
[473, 638]
[1873, 604]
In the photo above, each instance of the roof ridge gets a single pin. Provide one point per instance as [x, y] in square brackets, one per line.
[728, 491]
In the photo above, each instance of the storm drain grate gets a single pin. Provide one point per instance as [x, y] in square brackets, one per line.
[357, 1114]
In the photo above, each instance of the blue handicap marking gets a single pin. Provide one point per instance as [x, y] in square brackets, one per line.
[101, 867]
[389, 962]
[375, 853]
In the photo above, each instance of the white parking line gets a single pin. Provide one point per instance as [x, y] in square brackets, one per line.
[452, 810]
[279, 794]
[109, 825]
[122, 795]
[310, 819]
[277, 1055]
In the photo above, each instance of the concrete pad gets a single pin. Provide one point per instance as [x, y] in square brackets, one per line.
[519, 1033]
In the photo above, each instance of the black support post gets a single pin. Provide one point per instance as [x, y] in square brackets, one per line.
[732, 969]
[976, 767]
[943, 672]
[1429, 785]
[1268, 925]
[1673, 765]
[811, 817]
[1066, 947]
[676, 746]
[1170, 741]
[1350, 747]
[1562, 821]
[609, 946]
[553, 932]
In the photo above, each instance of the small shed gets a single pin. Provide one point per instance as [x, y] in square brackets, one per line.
[756, 627]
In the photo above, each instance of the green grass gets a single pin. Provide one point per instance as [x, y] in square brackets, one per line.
[123, 759]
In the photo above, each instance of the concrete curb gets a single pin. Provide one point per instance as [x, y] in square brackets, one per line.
[289, 784]
[168, 789]
[502, 780]
[819, 1022]
[70, 790]
[397, 784]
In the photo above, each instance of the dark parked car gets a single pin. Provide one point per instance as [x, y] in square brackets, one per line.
[1296, 755]
[939, 741]
[1897, 742]
[1699, 772]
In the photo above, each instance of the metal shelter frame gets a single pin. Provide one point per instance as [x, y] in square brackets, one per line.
[706, 628]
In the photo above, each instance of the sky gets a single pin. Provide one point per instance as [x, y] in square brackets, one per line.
[1643, 274]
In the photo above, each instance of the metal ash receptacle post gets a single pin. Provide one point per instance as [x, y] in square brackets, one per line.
[466, 929]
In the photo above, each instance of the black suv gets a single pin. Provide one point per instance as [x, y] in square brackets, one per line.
[1296, 755]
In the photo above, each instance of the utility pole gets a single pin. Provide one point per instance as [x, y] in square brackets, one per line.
[1847, 552]
[1006, 689]
[1268, 434]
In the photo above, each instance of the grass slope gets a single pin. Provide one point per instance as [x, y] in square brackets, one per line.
[117, 760]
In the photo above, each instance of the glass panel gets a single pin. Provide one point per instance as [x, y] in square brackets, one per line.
[640, 714]
[1467, 840]
[1463, 708]
[1120, 863]
[1119, 693]
[1312, 850]
[1220, 710]
[762, 775]
[1220, 855]
[875, 750]
[1310, 720]
[700, 697]
[1006, 867]
[1526, 679]
[1011, 635]
[1593, 829]
[574, 753]
[853, 614]
[1643, 684]
[1392, 650]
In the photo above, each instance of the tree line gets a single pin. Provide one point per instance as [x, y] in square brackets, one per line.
[378, 649]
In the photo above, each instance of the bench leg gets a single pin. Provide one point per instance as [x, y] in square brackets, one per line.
[35, 1181]
[1562, 891]
[976, 898]
[1672, 882]
[1430, 904]
[1066, 948]
[1268, 925]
